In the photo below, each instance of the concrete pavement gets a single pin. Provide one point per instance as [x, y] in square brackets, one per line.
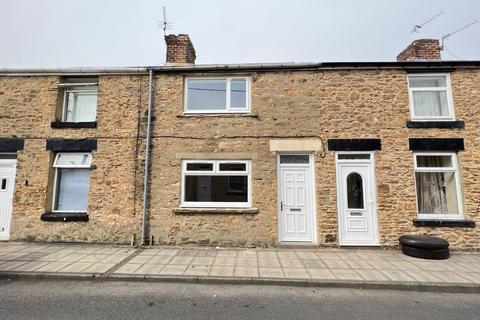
[367, 268]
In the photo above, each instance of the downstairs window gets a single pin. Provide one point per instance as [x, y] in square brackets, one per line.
[216, 183]
[72, 174]
[438, 186]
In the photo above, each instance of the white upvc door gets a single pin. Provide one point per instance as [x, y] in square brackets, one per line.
[356, 199]
[296, 195]
[7, 183]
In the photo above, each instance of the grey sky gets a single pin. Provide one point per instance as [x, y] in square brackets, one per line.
[89, 33]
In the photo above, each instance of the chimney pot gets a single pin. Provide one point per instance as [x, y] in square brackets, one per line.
[180, 49]
[422, 49]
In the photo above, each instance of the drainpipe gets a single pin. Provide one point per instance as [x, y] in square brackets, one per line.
[147, 158]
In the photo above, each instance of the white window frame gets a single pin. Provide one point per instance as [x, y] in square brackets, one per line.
[227, 109]
[454, 169]
[448, 89]
[68, 90]
[55, 178]
[216, 172]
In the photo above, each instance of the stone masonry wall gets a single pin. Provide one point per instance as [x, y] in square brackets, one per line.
[27, 107]
[302, 104]
[325, 104]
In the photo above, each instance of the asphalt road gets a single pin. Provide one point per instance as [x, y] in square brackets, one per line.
[135, 300]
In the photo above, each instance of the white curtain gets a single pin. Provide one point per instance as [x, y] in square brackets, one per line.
[430, 103]
[431, 189]
[82, 106]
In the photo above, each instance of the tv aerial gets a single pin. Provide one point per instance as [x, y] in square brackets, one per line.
[448, 35]
[165, 24]
[417, 27]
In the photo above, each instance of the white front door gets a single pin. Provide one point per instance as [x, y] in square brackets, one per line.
[7, 183]
[356, 198]
[296, 197]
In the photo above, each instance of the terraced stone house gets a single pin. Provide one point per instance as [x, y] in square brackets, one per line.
[324, 154]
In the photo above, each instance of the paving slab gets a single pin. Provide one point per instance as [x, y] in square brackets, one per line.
[397, 275]
[296, 273]
[246, 262]
[99, 267]
[359, 264]
[31, 266]
[336, 264]
[306, 255]
[167, 252]
[345, 267]
[291, 263]
[181, 260]
[287, 254]
[267, 255]
[450, 277]
[159, 259]
[247, 254]
[149, 269]
[372, 275]
[227, 253]
[246, 271]
[203, 260]
[271, 272]
[10, 265]
[321, 274]
[346, 274]
[268, 262]
[423, 276]
[222, 271]
[76, 267]
[473, 277]
[173, 269]
[141, 259]
[53, 266]
[197, 270]
[224, 261]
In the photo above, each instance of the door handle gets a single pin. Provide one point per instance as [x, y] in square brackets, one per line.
[281, 205]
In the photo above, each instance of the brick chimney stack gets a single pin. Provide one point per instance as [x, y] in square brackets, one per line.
[180, 49]
[422, 49]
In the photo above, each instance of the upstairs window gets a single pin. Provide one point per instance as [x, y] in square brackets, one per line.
[217, 95]
[438, 186]
[430, 97]
[79, 99]
[216, 183]
[72, 174]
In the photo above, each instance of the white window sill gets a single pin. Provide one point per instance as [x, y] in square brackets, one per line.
[215, 210]
[219, 115]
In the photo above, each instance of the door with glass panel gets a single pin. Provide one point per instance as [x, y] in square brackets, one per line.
[7, 183]
[296, 198]
[356, 199]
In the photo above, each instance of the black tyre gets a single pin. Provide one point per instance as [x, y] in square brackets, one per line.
[437, 254]
[423, 242]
